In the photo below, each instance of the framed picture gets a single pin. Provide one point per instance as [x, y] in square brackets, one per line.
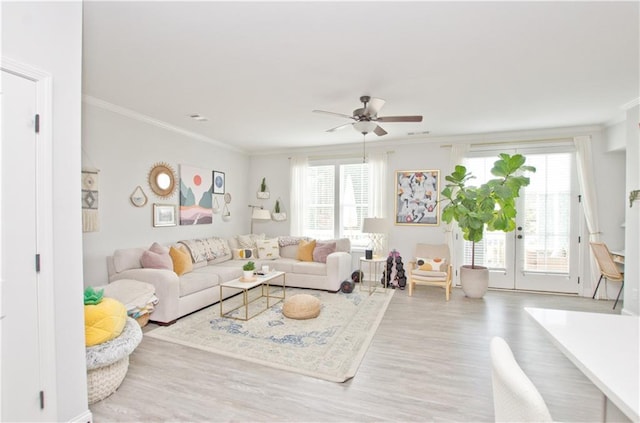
[417, 197]
[218, 182]
[164, 215]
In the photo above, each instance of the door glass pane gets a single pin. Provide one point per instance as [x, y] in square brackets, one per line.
[547, 214]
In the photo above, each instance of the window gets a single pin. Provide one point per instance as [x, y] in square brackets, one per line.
[337, 201]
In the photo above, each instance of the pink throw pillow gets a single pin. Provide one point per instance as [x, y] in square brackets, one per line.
[322, 250]
[151, 260]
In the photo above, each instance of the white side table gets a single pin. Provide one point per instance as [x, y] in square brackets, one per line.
[375, 268]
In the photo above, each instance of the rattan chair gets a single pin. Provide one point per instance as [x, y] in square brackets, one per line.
[421, 269]
[608, 268]
[515, 397]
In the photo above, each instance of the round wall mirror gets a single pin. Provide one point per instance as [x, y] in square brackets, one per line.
[162, 180]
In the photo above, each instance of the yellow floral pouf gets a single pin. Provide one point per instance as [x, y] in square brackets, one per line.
[301, 307]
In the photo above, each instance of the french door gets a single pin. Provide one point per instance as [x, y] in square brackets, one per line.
[542, 253]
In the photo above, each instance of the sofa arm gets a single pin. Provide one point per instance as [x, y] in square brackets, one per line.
[338, 269]
[167, 286]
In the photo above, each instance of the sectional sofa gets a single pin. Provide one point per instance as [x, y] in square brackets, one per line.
[189, 280]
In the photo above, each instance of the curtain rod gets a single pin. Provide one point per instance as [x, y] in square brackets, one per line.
[488, 144]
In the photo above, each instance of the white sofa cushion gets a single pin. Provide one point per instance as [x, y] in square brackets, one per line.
[127, 258]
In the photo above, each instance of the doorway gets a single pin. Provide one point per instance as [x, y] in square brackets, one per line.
[542, 253]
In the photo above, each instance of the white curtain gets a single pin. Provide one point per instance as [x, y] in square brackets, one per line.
[584, 161]
[458, 151]
[377, 195]
[298, 177]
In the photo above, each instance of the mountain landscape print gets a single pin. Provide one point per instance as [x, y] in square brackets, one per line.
[195, 196]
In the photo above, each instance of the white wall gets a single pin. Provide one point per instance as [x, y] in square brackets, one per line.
[632, 229]
[48, 36]
[124, 149]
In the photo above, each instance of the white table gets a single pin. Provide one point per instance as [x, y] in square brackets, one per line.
[604, 347]
[244, 287]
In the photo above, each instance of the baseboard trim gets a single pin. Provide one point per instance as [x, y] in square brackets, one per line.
[85, 417]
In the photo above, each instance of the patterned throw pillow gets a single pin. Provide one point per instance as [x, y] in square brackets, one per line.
[243, 253]
[285, 241]
[305, 250]
[268, 249]
[436, 264]
[250, 240]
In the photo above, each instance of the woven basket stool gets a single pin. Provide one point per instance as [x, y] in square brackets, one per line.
[301, 307]
[107, 363]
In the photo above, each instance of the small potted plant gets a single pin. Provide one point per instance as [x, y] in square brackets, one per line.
[263, 194]
[247, 270]
[278, 214]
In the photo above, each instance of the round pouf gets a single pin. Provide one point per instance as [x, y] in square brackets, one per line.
[301, 307]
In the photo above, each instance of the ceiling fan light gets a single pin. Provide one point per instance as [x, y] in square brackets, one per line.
[365, 126]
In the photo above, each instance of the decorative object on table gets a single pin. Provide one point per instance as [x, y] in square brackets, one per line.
[417, 197]
[164, 215]
[279, 214]
[377, 228]
[195, 196]
[258, 213]
[490, 205]
[301, 307]
[263, 194]
[162, 180]
[329, 347]
[218, 182]
[138, 197]
[394, 274]
[226, 213]
[90, 217]
[247, 271]
[368, 254]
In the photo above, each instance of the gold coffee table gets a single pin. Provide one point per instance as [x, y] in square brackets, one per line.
[261, 280]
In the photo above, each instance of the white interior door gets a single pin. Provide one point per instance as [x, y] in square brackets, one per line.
[20, 359]
[542, 253]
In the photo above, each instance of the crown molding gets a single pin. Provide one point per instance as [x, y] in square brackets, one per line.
[123, 111]
[633, 103]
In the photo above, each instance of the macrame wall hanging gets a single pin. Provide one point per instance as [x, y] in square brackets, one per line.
[90, 217]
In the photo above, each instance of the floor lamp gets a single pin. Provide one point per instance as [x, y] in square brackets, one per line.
[377, 228]
[258, 213]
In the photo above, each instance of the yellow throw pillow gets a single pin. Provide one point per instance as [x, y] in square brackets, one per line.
[181, 261]
[305, 250]
[103, 321]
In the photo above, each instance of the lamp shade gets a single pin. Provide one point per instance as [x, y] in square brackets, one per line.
[260, 214]
[364, 126]
[374, 225]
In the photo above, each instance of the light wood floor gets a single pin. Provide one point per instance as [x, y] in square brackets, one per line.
[429, 361]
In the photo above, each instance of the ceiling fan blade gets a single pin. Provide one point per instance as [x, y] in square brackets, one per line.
[373, 106]
[332, 114]
[379, 131]
[399, 119]
[339, 127]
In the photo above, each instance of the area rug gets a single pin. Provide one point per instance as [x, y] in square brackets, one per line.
[330, 346]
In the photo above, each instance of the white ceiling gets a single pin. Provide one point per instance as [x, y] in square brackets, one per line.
[256, 70]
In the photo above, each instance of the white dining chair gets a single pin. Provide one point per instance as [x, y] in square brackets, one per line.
[515, 397]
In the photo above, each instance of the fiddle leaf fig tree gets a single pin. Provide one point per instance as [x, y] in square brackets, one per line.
[491, 204]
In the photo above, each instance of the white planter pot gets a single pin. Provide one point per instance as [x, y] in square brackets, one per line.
[475, 282]
[263, 195]
[247, 274]
[279, 217]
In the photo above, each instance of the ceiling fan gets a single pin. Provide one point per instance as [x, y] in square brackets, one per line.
[366, 117]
